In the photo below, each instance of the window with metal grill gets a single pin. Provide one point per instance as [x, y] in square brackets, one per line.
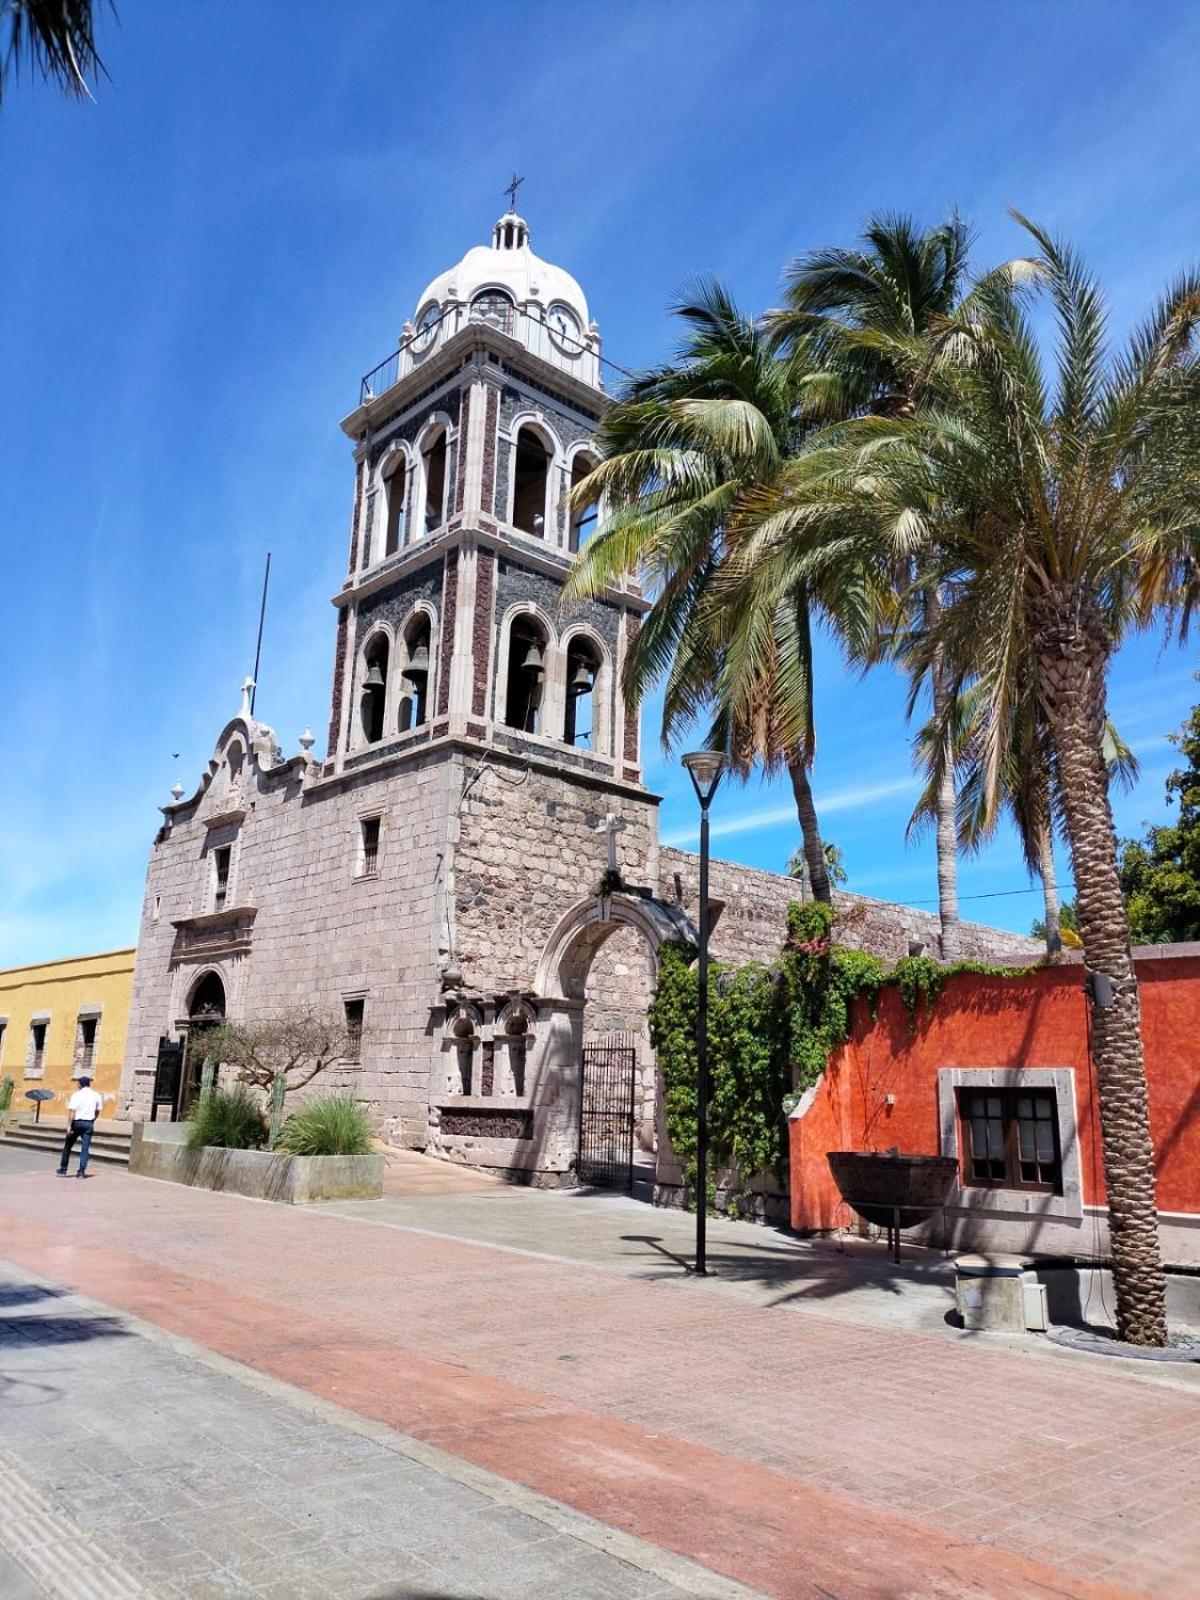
[1010, 1139]
[87, 1044]
[368, 863]
[354, 1029]
[221, 859]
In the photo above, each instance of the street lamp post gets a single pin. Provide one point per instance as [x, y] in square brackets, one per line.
[704, 768]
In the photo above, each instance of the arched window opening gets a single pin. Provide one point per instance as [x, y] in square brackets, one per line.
[206, 1011]
[516, 1033]
[374, 690]
[464, 1050]
[583, 523]
[583, 667]
[434, 458]
[395, 486]
[526, 684]
[494, 307]
[414, 678]
[531, 473]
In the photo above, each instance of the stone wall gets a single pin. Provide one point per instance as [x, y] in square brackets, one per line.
[301, 927]
[530, 846]
[752, 917]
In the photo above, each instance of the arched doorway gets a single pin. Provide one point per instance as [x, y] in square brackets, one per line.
[595, 982]
[206, 1011]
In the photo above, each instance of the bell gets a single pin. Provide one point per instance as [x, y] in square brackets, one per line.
[374, 678]
[581, 679]
[418, 666]
[533, 659]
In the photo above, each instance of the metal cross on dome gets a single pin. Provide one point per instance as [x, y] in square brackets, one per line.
[511, 191]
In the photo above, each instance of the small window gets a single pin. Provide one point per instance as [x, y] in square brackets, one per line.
[354, 1029]
[583, 523]
[583, 667]
[373, 706]
[1010, 1139]
[434, 457]
[368, 855]
[3, 1031]
[531, 473]
[395, 486]
[35, 1064]
[221, 859]
[414, 678]
[527, 647]
[87, 1045]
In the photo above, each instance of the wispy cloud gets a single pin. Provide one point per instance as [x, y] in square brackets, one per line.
[759, 818]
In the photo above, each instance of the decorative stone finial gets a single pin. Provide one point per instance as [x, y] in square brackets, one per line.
[177, 792]
[307, 740]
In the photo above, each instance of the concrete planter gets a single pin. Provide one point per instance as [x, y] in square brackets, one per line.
[159, 1150]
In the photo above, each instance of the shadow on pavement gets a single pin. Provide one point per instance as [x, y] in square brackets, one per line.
[24, 1294]
[60, 1330]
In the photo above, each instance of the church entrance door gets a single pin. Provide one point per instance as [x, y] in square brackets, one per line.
[606, 1116]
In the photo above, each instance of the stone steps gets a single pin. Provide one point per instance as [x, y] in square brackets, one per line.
[111, 1145]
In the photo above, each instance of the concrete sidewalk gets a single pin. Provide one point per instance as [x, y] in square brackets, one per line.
[798, 1454]
[135, 1465]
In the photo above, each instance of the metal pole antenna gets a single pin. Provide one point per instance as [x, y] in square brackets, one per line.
[262, 612]
[702, 1056]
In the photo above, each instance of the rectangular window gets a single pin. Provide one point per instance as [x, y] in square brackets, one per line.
[87, 1045]
[368, 851]
[221, 858]
[1010, 1139]
[354, 1029]
[35, 1063]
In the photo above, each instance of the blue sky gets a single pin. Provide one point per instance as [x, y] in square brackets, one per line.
[198, 269]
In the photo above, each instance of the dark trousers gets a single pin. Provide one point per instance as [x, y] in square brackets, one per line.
[83, 1132]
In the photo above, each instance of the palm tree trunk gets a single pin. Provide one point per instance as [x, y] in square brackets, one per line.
[1053, 912]
[1073, 647]
[810, 833]
[950, 941]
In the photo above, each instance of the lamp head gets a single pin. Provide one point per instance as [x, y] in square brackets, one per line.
[704, 768]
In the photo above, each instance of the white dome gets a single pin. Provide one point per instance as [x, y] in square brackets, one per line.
[507, 263]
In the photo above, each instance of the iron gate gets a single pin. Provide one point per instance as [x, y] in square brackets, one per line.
[606, 1116]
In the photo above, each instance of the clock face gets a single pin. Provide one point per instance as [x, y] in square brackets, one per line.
[427, 326]
[565, 329]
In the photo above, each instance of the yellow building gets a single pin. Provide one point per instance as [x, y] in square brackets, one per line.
[60, 1019]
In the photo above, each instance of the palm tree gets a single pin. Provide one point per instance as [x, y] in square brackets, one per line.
[681, 451]
[871, 315]
[835, 866]
[1069, 511]
[55, 38]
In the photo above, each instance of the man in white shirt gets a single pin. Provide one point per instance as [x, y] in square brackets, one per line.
[82, 1110]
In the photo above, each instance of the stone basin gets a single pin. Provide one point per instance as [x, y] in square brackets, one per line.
[879, 1184]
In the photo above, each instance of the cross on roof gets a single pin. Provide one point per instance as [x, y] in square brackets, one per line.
[511, 191]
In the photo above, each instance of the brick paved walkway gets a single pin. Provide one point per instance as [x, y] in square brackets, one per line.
[803, 1455]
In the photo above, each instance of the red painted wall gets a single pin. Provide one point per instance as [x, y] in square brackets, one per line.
[1038, 1020]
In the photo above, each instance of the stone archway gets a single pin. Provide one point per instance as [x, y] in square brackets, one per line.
[595, 979]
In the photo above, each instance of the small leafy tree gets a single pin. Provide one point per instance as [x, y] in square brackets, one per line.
[280, 1054]
[1160, 873]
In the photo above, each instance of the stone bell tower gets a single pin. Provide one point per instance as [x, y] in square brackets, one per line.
[454, 648]
[467, 442]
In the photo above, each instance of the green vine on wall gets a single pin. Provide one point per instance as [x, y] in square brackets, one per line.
[772, 1031]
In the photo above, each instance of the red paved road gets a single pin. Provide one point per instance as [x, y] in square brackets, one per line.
[799, 1454]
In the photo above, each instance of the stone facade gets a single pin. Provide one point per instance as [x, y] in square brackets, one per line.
[477, 935]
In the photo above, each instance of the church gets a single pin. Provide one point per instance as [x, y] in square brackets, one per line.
[472, 876]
